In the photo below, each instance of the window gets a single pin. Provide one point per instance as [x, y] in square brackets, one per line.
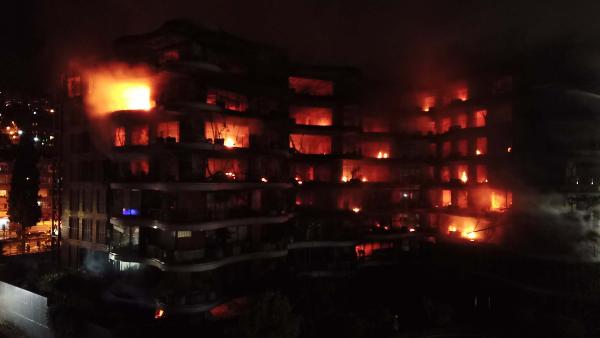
[481, 173]
[481, 146]
[232, 135]
[226, 99]
[376, 149]
[3, 193]
[462, 173]
[444, 125]
[446, 197]
[183, 234]
[461, 121]
[307, 86]
[446, 148]
[479, 118]
[462, 200]
[445, 174]
[313, 116]
[119, 137]
[139, 167]
[168, 130]
[139, 135]
[311, 144]
[234, 169]
[462, 147]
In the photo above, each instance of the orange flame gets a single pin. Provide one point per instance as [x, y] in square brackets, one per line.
[463, 177]
[119, 87]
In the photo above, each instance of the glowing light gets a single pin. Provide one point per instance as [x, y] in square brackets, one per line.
[36, 139]
[159, 313]
[356, 209]
[264, 179]
[364, 179]
[477, 152]
[344, 179]
[229, 142]
[230, 175]
[509, 149]
[300, 182]
[471, 236]
[20, 132]
[411, 229]
[382, 154]
[463, 177]
[452, 228]
[386, 228]
[405, 195]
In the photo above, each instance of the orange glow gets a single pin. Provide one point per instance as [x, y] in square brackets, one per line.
[344, 179]
[461, 121]
[452, 228]
[356, 209]
[500, 200]
[119, 87]
[311, 144]
[364, 179]
[356, 169]
[226, 99]
[119, 137]
[462, 94]
[312, 116]
[139, 135]
[308, 86]
[446, 198]
[168, 130]
[480, 118]
[232, 168]
[139, 167]
[463, 177]
[232, 134]
[468, 228]
[481, 146]
[481, 171]
[428, 103]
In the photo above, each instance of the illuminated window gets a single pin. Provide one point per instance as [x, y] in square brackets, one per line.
[231, 134]
[481, 173]
[461, 120]
[183, 234]
[462, 200]
[168, 130]
[428, 103]
[479, 118]
[445, 174]
[41, 193]
[462, 173]
[375, 149]
[139, 135]
[303, 172]
[446, 149]
[229, 100]
[365, 171]
[446, 197]
[481, 146]
[139, 167]
[307, 86]
[500, 200]
[444, 125]
[234, 169]
[119, 137]
[462, 147]
[310, 144]
[462, 94]
[313, 116]
[4, 193]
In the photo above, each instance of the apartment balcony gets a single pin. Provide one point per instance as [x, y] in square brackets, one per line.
[200, 220]
[213, 255]
[150, 183]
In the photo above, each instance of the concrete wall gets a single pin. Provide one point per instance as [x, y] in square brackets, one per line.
[25, 310]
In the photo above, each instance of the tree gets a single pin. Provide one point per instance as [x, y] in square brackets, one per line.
[23, 207]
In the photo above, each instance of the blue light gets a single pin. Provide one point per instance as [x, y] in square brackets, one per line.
[130, 212]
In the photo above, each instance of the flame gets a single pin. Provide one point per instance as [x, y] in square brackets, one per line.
[344, 179]
[477, 152]
[229, 142]
[452, 228]
[509, 149]
[364, 179]
[356, 209]
[463, 177]
[264, 179]
[382, 154]
[119, 87]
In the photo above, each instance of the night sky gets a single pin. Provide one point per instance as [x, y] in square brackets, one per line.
[393, 42]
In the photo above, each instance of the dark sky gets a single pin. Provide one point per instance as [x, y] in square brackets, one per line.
[391, 41]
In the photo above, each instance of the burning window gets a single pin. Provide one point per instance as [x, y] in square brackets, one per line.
[350, 200]
[229, 134]
[461, 120]
[168, 130]
[139, 135]
[479, 118]
[119, 140]
[481, 146]
[462, 94]
[226, 99]
[139, 167]
[446, 197]
[500, 200]
[303, 172]
[307, 86]
[428, 103]
[444, 125]
[376, 149]
[462, 200]
[445, 174]
[313, 116]
[366, 172]
[481, 173]
[446, 148]
[462, 147]
[311, 144]
[462, 173]
[229, 168]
